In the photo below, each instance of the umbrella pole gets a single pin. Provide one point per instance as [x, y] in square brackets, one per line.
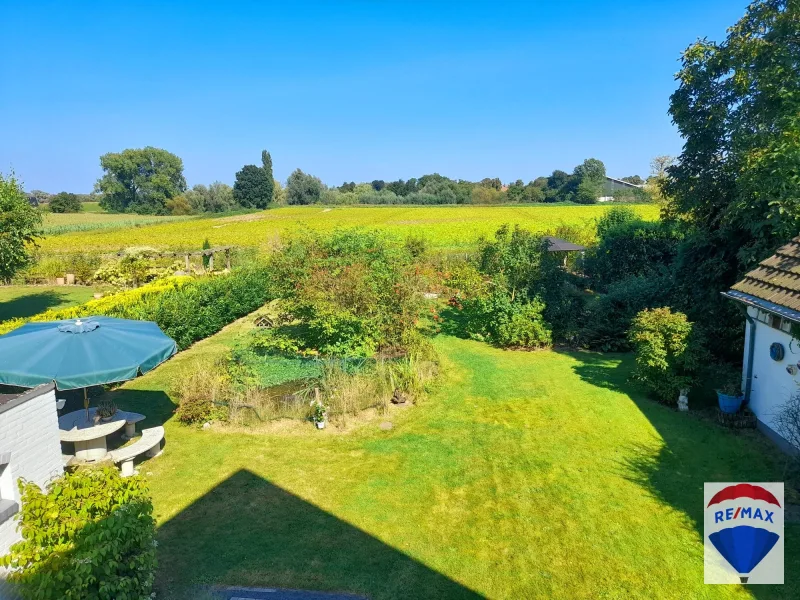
[86, 403]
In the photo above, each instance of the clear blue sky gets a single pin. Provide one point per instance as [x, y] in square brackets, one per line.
[346, 91]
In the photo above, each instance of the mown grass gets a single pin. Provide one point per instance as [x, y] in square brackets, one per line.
[444, 226]
[525, 475]
[28, 300]
[92, 207]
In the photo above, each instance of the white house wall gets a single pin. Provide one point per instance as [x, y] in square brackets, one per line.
[29, 434]
[772, 385]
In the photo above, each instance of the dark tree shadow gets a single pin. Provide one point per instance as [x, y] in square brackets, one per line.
[31, 304]
[249, 532]
[695, 450]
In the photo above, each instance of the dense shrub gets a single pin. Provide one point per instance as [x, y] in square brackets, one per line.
[618, 215]
[496, 318]
[65, 202]
[605, 323]
[669, 353]
[352, 292]
[90, 535]
[136, 267]
[631, 248]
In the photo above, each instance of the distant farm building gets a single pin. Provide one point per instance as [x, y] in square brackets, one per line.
[612, 186]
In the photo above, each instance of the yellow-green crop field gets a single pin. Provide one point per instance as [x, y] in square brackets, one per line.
[63, 223]
[443, 226]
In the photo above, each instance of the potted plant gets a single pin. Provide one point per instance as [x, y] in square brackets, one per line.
[730, 397]
[106, 411]
[319, 414]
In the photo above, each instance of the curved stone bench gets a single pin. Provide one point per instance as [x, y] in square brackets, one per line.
[149, 443]
[131, 419]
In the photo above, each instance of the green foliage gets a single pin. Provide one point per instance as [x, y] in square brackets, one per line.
[353, 292]
[90, 535]
[302, 188]
[206, 259]
[205, 305]
[618, 215]
[140, 180]
[257, 362]
[631, 248]
[590, 169]
[735, 186]
[50, 266]
[496, 318]
[254, 186]
[514, 260]
[607, 318]
[186, 309]
[20, 226]
[178, 206]
[669, 352]
[588, 191]
[215, 198]
[65, 203]
[136, 267]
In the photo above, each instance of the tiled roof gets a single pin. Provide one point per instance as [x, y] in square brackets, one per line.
[776, 279]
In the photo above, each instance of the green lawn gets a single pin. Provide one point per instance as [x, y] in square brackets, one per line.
[28, 300]
[525, 475]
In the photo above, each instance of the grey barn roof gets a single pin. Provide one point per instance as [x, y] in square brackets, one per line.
[558, 245]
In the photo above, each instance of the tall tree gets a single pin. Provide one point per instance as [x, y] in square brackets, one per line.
[302, 188]
[64, 202]
[252, 188]
[255, 186]
[266, 164]
[736, 185]
[140, 180]
[20, 225]
[591, 168]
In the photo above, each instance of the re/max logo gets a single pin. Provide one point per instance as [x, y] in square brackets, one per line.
[743, 513]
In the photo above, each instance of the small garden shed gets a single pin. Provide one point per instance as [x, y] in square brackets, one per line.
[771, 371]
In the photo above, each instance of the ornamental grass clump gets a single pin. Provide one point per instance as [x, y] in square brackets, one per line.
[90, 534]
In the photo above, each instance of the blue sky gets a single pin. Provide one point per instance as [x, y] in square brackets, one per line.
[346, 91]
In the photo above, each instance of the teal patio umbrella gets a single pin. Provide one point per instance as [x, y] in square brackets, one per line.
[79, 353]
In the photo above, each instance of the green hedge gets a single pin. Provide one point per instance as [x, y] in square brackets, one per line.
[186, 309]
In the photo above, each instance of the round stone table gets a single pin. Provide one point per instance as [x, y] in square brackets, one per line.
[89, 438]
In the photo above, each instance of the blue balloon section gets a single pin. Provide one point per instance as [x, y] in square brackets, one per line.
[744, 546]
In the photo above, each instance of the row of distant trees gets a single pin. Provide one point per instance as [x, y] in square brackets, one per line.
[151, 181]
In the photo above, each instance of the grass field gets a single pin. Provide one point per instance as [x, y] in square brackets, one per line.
[92, 207]
[58, 224]
[445, 227]
[26, 301]
[525, 475]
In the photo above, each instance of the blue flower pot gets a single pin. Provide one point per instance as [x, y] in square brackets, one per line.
[729, 404]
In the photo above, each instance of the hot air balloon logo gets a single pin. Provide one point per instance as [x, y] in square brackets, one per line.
[744, 532]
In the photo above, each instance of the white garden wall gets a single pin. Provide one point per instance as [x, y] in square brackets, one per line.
[29, 448]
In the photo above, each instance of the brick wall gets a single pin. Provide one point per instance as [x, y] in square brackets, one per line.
[29, 440]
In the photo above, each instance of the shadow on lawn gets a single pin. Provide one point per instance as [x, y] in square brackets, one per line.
[693, 451]
[156, 405]
[31, 304]
[249, 532]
